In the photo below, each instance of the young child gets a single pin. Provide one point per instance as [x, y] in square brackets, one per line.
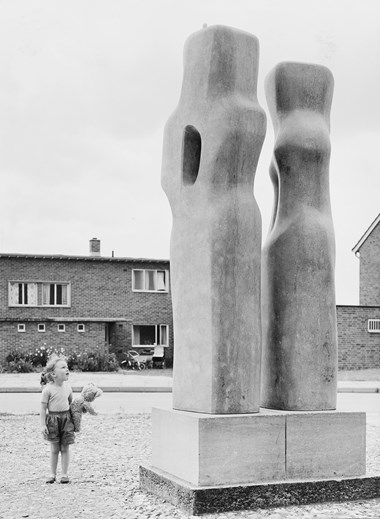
[57, 426]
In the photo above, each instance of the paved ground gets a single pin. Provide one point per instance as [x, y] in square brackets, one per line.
[104, 475]
[162, 380]
[152, 379]
[360, 375]
[104, 469]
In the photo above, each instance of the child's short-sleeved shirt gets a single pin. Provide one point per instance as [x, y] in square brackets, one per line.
[57, 398]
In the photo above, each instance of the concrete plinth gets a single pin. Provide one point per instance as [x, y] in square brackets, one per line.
[268, 446]
[195, 451]
[201, 500]
[219, 449]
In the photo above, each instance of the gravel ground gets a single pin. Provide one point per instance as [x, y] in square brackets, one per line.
[104, 475]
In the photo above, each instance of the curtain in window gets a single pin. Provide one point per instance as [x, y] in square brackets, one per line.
[149, 280]
[13, 294]
[138, 279]
[164, 335]
[161, 280]
[136, 335]
[46, 294]
[64, 294]
[32, 294]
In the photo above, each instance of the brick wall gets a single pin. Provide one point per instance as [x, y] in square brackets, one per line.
[370, 269]
[100, 289]
[103, 290]
[10, 338]
[357, 348]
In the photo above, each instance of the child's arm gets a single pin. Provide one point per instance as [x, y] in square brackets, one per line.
[70, 396]
[44, 429]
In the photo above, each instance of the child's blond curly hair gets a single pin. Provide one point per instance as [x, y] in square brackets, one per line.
[46, 375]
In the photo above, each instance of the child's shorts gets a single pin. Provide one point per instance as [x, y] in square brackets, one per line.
[60, 428]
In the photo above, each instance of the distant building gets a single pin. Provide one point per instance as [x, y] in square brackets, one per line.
[359, 326]
[88, 303]
[84, 303]
[368, 251]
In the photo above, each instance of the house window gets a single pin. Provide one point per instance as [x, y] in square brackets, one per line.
[41, 327]
[374, 325]
[80, 328]
[21, 328]
[150, 335]
[55, 294]
[61, 328]
[38, 293]
[150, 280]
[22, 293]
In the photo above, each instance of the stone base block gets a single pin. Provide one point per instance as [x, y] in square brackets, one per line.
[208, 450]
[201, 500]
[325, 444]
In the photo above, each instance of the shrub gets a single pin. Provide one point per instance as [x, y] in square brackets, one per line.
[41, 354]
[20, 362]
[72, 360]
[110, 362]
[96, 361]
[20, 366]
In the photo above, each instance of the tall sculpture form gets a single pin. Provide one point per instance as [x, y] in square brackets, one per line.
[214, 451]
[212, 145]
[299, 362]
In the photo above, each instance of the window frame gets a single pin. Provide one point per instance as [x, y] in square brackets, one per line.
[43, 329]
[38, 296]
[23, 282]
[157, 334]
[55, 283]
[83, 328]
[63, 326]
[21, 328]
[373, 326]
[156, 290]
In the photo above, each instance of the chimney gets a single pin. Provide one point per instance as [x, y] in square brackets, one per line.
[94, 247]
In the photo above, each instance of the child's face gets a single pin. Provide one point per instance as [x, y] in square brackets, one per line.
[61, 371]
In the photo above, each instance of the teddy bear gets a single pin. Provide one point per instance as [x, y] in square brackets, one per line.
[82, 404]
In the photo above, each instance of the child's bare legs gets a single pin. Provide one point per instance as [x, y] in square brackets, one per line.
[55, 449]
[65, 459]
[54, 452]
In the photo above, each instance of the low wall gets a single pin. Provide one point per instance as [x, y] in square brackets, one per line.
[69, 340]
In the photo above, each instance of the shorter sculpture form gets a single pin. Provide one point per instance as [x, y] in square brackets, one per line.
[300, 358]
[216, 451]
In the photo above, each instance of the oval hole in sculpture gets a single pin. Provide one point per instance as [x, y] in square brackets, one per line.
[191, 155]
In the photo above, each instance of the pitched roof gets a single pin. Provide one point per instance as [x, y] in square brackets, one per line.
[83, 258]
[366, 234]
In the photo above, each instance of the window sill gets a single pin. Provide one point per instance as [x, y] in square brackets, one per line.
[151, 291]
[39, 306]
[149, 346]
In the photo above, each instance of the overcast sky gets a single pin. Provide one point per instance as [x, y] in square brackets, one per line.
[86, 87]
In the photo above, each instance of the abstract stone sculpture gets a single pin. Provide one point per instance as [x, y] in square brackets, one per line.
[299, 362]
[213, 452]
[212, 145]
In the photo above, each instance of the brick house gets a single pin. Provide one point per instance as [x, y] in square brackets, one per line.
[359, 326]
[92, 302]
[84, 303]
[368, 251]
